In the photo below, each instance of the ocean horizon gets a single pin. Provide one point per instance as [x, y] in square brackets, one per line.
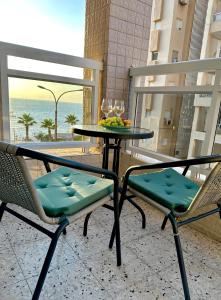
[40, 110]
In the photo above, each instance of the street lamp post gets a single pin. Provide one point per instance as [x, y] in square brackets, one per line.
[56, 99]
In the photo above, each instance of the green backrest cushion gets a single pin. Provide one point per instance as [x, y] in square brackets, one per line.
[66, 191]
[168, 187]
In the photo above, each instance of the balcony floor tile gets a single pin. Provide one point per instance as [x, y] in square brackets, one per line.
[16, 291]
[73, 281]
[84, 267]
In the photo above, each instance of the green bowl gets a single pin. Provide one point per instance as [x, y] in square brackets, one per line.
[117, 128]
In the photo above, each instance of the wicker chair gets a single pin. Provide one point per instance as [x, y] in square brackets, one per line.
[59, 197]
[176, 196]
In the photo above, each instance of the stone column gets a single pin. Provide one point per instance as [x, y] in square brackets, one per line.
[117, 32]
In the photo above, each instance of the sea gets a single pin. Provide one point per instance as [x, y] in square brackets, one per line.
[40, 110]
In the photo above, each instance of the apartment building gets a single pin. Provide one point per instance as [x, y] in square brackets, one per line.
[177, 29]
[206, 126]
[170, 34]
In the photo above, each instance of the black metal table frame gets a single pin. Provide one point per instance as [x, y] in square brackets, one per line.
[116, 146]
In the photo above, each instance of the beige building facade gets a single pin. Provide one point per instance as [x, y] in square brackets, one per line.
[184, 125]
[170, 36]
[202, 122]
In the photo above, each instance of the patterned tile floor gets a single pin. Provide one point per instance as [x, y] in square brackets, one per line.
[84, 268]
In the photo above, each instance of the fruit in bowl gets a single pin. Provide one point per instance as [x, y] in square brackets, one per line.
[115, 122]
[127, 123]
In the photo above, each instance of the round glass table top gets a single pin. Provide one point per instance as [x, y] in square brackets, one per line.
[118, 133]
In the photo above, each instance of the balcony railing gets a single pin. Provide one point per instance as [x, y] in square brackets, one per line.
[203, 128]
[8, 51]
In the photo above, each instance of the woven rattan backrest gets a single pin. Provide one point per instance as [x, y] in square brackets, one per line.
[210, 191]
[15, 180]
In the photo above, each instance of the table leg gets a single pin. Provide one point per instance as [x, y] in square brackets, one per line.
[121, 202]
[116, 158]
[115, 167]
[105, 154]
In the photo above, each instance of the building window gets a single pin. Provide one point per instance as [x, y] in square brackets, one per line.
[219, 120]
[220, 52]
[157, 25]
[179, 24]
[154, 55]
[175, 56]
[217, 17]
[183, 2]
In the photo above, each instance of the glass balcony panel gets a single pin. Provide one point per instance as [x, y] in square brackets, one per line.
[170, 117]
[30, 97]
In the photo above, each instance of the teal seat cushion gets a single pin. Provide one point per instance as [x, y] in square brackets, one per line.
[167, 187]
[66, 191]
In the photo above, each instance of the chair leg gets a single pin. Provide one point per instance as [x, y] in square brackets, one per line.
[86, 223]
[117, 224]
[48, 259]
[2, 209]
[219, 206]
[164, 223]
[140, 210]
[180, 257]
[182, 267]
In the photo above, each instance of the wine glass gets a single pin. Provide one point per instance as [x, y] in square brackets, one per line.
[110, 105]
[118, 107]
[106, 106]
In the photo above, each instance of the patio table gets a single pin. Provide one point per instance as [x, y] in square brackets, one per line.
[117, 135]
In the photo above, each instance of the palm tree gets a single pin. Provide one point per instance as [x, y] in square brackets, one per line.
[71, 119]
[27, 121]
[49, 125]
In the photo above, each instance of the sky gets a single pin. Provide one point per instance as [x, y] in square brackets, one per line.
[55, 25]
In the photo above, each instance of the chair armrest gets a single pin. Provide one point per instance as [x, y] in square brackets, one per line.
[179, 163]
[47, 158]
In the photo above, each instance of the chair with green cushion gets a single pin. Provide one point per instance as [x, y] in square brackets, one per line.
[177, 196]
[59, 197]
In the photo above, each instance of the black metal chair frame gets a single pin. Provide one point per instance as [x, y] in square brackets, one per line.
[46, 159]
[171, 216]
